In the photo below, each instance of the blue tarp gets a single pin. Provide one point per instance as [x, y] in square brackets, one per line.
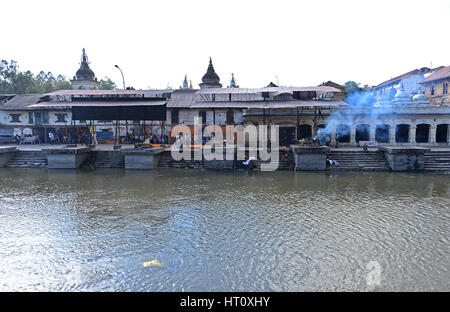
[105, 135]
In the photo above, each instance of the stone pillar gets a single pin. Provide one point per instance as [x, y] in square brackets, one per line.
[433, 134]
[310, 158]
[405, 158]
[392, 130]
[448, 134]
[68, 157]
[372, 130]
[412, 134]
[353, 135]
[142, 158]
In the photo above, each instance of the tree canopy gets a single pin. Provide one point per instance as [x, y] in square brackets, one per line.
[13, 81]
[351, 87]
[107, 84]
[357, 96]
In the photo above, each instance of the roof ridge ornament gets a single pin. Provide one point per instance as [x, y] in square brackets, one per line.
[233, 82]
[84, 57]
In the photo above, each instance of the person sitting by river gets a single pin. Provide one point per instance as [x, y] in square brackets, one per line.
[249, 163]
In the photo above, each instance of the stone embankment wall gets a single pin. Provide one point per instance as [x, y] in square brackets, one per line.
[349, 160]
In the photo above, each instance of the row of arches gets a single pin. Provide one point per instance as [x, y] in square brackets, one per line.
[382, 132]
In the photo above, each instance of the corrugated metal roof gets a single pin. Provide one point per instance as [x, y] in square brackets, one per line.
[224, 104]
[21, 102]
[182, 98]
[155, 92]
[437, 75]
[269, 104]
[398, 78]
[97, 103]
[419, 71]
[266, 89]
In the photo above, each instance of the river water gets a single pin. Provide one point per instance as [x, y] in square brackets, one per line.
[223, 231]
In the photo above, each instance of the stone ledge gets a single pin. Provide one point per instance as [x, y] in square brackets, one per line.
[68, 150]
[142, 151]
[8, 149]
[297, 149]
[403, 149]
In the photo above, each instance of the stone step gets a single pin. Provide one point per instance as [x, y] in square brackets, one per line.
[359, 160]
[27, 165]
[28, 159]
[438, 169]
[437, 164]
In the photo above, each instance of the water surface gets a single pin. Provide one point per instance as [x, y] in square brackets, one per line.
[67, 230]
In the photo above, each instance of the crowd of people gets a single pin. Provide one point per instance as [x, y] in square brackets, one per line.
[54, 138]
[26, 138]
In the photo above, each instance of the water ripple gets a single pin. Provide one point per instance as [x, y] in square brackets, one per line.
[222, 231]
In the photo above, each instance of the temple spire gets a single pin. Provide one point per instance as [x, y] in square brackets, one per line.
[185, 83]
[84, 58]
[210, 79]
[84, 77]
[233, 82]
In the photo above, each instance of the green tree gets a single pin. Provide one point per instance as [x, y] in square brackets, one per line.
[107, 84]
[14, 81]
[351, 87]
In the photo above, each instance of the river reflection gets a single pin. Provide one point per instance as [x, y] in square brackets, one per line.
[222, 231]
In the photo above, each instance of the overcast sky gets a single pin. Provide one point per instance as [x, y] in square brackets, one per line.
[157, 42]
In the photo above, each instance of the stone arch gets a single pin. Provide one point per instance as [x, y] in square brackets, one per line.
[362, 132]
[304, 131]
[442, 133]
[343, 133]
[423, 133]
[382, 133]
[402, 133]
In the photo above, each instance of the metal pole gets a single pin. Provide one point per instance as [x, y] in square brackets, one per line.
[126, 129]
[123, 79]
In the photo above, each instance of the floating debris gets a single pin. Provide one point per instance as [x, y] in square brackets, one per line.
[153, 262]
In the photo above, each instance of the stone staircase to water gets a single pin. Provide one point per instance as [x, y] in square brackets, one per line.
[284, 163]
[359, 160]
[109, 164]
[107, 159]
[437, 161]
[28, 159]
[166, 161]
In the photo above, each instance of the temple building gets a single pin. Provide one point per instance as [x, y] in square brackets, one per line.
[84, 78]
[409, 81]
[419, 118]
[436, 86]
[404, 120]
